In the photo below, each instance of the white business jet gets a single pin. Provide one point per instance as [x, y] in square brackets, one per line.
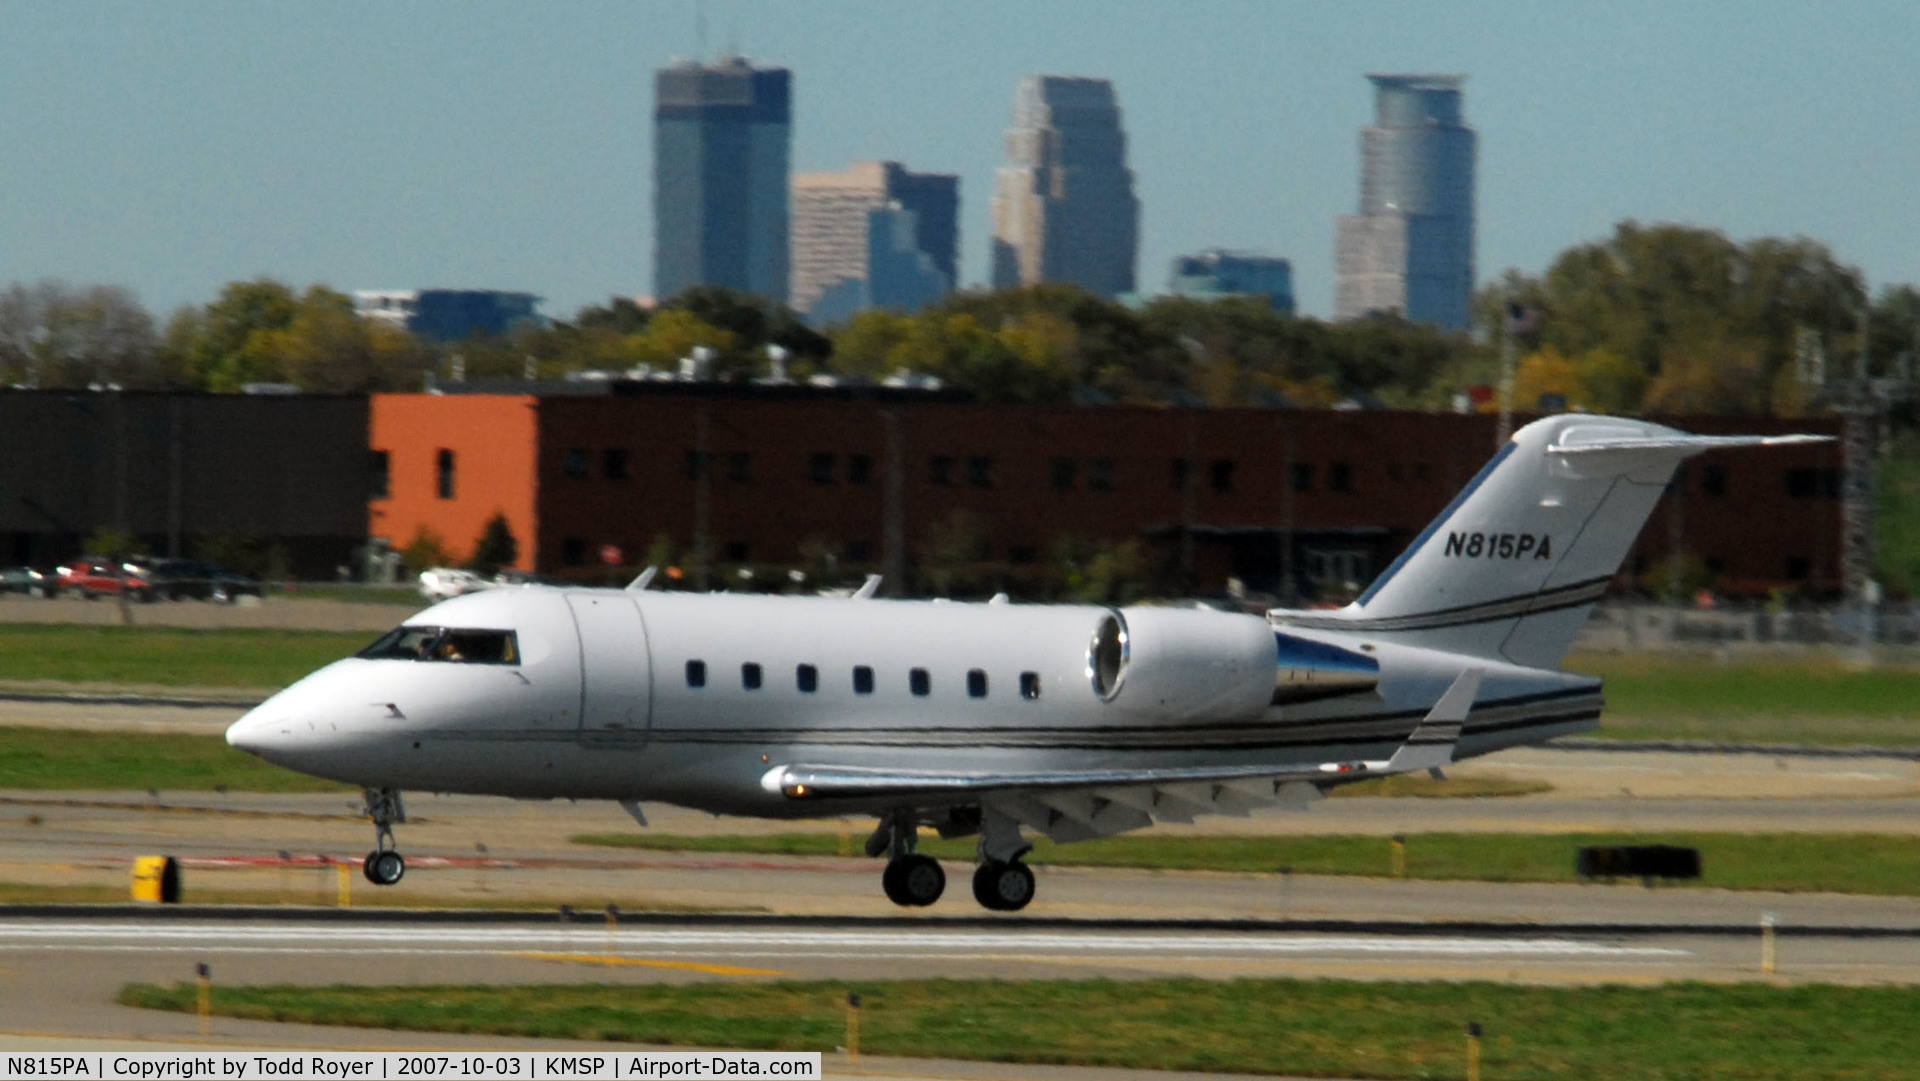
[998, 720]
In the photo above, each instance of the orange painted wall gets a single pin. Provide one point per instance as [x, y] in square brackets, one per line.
[494, 439]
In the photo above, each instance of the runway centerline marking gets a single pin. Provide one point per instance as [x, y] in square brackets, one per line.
[797, 943]
[650, 962]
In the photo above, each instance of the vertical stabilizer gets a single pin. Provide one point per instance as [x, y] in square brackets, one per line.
[1512, 567]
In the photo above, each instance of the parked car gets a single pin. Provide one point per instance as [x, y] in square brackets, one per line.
[443, 583]
[177, 579]
[95, 576]
[26, 580]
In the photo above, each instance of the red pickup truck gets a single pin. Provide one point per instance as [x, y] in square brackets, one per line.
[92, 576]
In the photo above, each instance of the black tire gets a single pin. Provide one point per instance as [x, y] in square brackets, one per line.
[383, 868]
[1003, 887]
[913, 881]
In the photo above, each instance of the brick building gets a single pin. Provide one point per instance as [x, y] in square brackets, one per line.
[771, 478]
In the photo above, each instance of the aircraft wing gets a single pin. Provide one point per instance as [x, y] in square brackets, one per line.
[1072, 805]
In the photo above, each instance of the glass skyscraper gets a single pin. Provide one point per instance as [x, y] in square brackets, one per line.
[1410, 249]
[1063, 205]
[721, 140]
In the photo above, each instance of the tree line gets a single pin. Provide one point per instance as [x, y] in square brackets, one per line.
[1662, 318]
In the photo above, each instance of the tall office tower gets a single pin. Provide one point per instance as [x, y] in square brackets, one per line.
[1063, 205]
[873, 236]
[721, 135]
[1410, 249]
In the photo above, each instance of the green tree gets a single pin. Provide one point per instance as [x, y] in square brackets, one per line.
[496, 549]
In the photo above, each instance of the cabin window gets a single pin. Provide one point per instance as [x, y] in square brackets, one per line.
[696, 673]
[976, 683]
[1030, 685]
[807, 678]
[862, 679]
[919, 683]
[750, 676]
[456, 644]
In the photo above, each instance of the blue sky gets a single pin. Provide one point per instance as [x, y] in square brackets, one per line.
[175, 147]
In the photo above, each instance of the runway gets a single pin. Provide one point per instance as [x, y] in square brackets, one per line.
[687, 917]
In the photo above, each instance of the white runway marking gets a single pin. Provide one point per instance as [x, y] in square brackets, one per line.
[443, 939]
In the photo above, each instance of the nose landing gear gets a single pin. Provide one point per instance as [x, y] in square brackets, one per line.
[384, 865]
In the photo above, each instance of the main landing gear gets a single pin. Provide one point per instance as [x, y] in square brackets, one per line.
[384, 866]
[1001, 882]
[911, 879]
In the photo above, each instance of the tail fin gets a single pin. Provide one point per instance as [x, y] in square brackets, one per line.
[1511, 568]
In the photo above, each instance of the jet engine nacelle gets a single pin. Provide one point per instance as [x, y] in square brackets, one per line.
[1184, 663]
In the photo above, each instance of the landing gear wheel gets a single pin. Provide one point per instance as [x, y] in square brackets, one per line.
[913, 881]
[383, 868]
[1003, 886]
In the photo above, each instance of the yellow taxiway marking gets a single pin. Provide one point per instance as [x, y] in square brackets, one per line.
[644, 962]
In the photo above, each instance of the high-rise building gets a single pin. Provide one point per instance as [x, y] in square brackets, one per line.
[873, 236]
[1215, 273]
[721, 138]
[1410, 249]
[1063, 205]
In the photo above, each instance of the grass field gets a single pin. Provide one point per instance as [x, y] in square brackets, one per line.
[1864, 863]
[167, 657]
[1813, 699]
[50, 758]
[1704, 1032]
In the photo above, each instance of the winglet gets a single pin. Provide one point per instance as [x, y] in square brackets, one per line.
[867, 588]
[1432, 744]
[644, 580]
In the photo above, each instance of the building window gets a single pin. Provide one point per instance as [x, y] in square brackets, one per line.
[1064, 471]
[807, 678]
[738, 551]
[740, 467]
[1030, 686]
[1100, 474]
[1340, 477]
[1799, 568]
[573, 552]
[380, 480]
[976, 683]
[1816, 483]
[696, 673]
[1713, 480]
[750, 676]
[1021, 555]
[613, 463]
[1396, 471]
[574, 462]
[1303, 476]
[859, 468]
[859, 551]
[697, 463]
[443, 468]
[1220, 474]
[862, 679]
[919, 682]
[940, 471]
[980, 472]
[1178, 475]
[820, 468]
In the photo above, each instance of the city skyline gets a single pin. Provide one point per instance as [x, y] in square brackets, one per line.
[487, 145]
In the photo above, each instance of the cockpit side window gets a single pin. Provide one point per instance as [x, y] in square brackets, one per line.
[456, 644]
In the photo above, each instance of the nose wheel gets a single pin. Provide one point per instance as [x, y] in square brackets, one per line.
[384, 865]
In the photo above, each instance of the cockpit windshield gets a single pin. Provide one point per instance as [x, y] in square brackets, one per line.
[457, 644]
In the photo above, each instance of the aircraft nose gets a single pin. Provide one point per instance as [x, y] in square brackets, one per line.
[251, 733]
